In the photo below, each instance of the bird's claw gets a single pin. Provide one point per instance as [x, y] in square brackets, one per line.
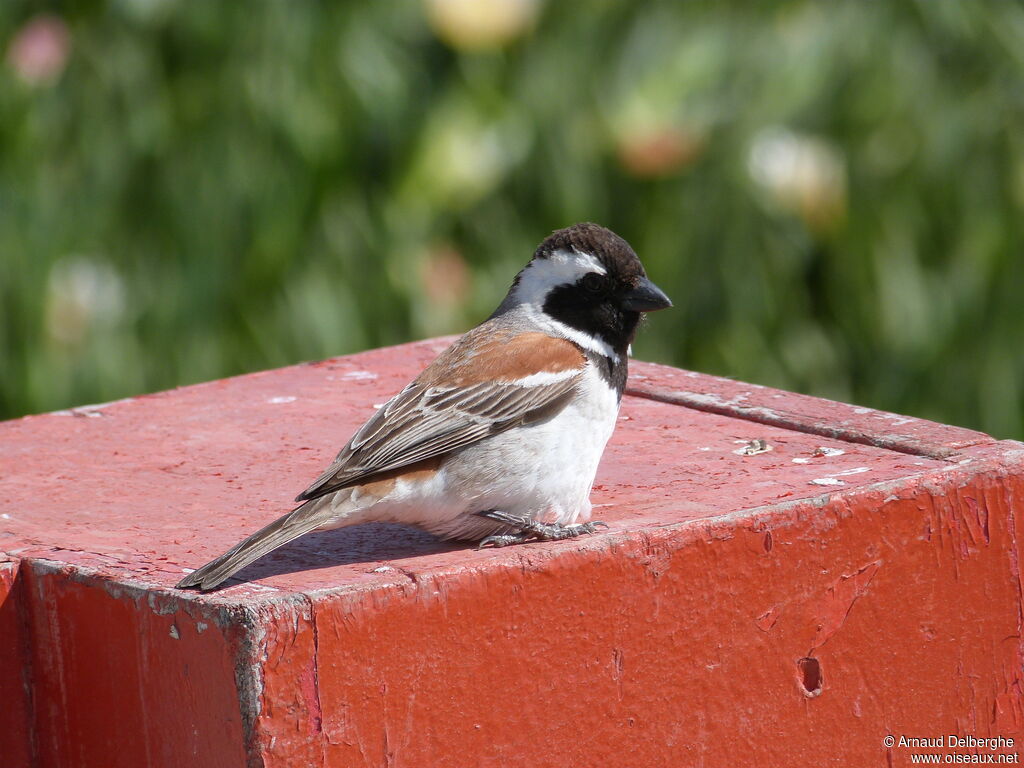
[527, 530]
[501, 540]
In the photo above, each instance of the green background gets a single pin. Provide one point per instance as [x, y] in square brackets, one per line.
[832, 194]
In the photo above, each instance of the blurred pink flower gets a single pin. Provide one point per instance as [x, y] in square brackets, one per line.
[445, 276]
[39, 50]
[659, 152]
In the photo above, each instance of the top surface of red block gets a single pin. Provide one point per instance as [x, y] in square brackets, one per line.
[145, 488]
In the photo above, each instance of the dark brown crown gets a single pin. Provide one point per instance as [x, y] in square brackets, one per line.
[613, 252]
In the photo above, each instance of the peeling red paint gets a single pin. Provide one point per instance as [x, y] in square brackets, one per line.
[833, 609]
[767, 619]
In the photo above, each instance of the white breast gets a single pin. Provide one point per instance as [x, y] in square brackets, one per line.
[543, 471]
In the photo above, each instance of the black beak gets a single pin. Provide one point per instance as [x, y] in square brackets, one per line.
[645, 297]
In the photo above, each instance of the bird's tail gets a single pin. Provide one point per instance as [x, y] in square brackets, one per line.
[297, 522]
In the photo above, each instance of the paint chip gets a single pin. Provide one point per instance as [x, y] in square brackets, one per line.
[282, 399]
[827, 481]
[754, 447]
[823, 450]
[174, 632]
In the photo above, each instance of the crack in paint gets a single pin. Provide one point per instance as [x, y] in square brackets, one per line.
[318, 712]
[709, 402]
[839, 600]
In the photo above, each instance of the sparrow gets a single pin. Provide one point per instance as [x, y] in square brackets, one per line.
[498, 440]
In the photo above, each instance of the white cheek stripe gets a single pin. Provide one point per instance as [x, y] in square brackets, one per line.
[558, 328]
[542, 275]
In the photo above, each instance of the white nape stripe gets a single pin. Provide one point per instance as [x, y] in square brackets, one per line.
[558, 328]
[541, 378]
[562, 267]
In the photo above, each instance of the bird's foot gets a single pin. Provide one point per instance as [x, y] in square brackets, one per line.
[530, 530]
[503, 540]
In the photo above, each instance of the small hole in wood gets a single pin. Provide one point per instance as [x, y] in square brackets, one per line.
[810, 675]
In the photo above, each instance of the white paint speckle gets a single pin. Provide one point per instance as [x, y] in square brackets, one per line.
[825, 451]
[800, 460]
[5, 516]
[862, 410]
[282, 399]
[174, 632]
[834, 478]
[383, 569]
[359, 375]
[895, 419]
[201, 626]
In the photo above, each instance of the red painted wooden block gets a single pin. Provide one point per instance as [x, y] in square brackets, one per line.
[861, 579]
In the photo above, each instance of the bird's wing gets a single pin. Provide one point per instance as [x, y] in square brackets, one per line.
[488, 382]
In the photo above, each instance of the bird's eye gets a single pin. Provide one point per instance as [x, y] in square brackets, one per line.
[593, 282]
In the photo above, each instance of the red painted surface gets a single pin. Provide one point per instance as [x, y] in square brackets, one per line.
[688, 633]
[15, 701]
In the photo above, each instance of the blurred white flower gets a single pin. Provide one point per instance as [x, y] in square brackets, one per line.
[39, 50]
[464, 155]
[803, 174]
[82, 292]
[481, 24]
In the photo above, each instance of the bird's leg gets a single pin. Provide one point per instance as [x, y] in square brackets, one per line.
[531, 529]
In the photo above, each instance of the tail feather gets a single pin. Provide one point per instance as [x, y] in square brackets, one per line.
[287, 528]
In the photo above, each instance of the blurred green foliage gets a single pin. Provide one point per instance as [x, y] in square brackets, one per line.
[831, 193]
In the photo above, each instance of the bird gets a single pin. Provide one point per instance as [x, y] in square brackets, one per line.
[498, 440]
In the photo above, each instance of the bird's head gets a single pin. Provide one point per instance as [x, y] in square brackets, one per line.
[588, 278]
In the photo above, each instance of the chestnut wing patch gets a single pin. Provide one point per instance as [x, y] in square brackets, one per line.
[464, 396]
